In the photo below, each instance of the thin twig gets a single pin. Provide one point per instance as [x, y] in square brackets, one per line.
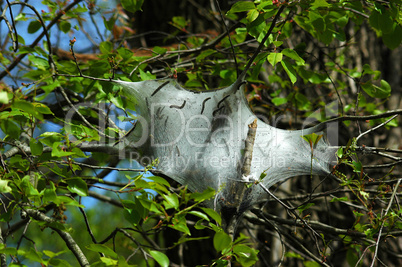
[172, 54]
[144, 253]
[262, 43]
[288, 208]
[383, 221]
[364, 252]
[307, 251]
[375, 128]
[105, 199]
[380, 166]
[72, 42]
[230, 39]
[44, 33]
[63, 92]
[88, 227]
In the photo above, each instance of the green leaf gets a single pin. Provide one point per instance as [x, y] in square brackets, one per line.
[384, 21]
[160, 258]
[357, 166]
[171, 201]
[101, 248]
[241, 6]
[132, 5]
[32, 255]
[222, 241]
[68, 201]
[39, 62]
[106, 47]
[10, 128]
[205, 54]
[132, 216]
[199, 214]
[4, 188]
[352, 256]
[375, 20]
[302, 101]
[109, 24]
[289, 70]
[4, 97]
[337, 199]
[339, 153]
[65, 26]
[245, 255]
[52, 254]
[382, 91]
[108, 261]
[367, 70]
[48, 138]
[317, 20]
[291, 254]
[77, 186]
[305, 207]
[312, 139]
[213, 214]
[179, 22]
[206, 194]
[319, 4]
[145, 76]
[36, 147]
[252, 15]
[42, 108]
[159, 50]
[28, 107]
[394, 38]
[179, 223]
[311, 264]
[57, 150]
[34, 26]
[49, 194]
[293, 55]
[159, 180]
[125, 53]
[277, 101]
[274, 58]
[8, 250]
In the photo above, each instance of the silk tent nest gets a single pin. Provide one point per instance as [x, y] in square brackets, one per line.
[212, 139]
[200, 139]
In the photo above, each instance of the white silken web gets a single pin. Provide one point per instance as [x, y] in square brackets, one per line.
[199, 139]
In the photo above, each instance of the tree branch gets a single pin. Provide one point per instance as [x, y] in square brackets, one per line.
[70, 242]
